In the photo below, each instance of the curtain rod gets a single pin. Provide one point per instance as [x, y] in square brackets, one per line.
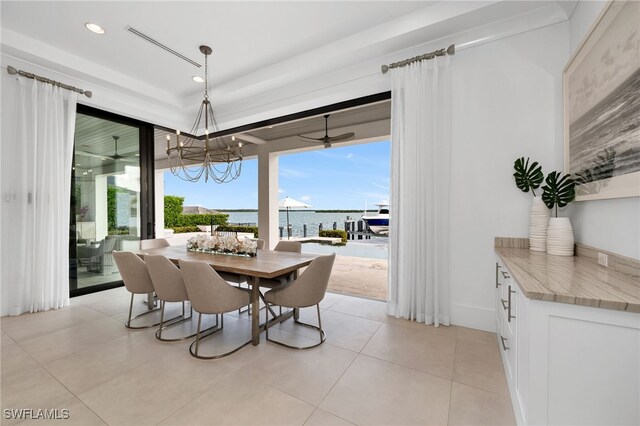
[451, 50]
[11, 70]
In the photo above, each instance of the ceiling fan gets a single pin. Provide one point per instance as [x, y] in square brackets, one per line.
[114, 157]
[326, 139]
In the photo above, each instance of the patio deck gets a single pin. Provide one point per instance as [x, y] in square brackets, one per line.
[354, 276]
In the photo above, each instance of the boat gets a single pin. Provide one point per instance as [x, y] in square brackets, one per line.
[378, 223]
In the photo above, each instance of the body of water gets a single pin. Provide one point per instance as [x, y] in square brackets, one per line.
[298, 218]
[376, 247]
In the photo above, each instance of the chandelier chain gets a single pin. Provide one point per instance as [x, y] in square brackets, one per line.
[209, 155]
[206, 76]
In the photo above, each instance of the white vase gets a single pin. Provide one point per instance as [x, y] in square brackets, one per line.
[560, 237]
[538, 225]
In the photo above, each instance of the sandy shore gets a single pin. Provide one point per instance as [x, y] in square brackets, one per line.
[357, 276]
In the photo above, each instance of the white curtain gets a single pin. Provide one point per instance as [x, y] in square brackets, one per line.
[420, 174]
[36, 183]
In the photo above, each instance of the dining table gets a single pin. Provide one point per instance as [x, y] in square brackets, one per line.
[266, 264]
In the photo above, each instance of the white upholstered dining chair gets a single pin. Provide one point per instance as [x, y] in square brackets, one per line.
[305, 291]
[154, 243]
[136, 279]
[210, 294]
[169, 285]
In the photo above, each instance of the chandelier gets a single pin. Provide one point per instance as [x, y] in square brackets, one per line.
[208, 155]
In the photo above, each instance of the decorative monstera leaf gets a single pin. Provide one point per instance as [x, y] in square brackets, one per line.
[528, 177]
[558, 191]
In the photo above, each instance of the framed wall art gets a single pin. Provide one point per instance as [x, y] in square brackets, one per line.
[602, 106]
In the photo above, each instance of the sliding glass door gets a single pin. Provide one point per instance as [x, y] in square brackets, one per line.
[109, 208]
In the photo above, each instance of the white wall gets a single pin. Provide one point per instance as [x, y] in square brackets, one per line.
[507, 103]
[612, 225]
[107, 97]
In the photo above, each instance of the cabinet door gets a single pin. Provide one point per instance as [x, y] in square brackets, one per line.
[593, 371]
[497, 297]
[522, 364]
[510, 348]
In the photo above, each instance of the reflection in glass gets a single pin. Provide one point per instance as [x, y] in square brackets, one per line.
[105, 199]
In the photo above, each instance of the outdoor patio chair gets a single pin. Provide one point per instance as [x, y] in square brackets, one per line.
[90, 256]
[97, 257]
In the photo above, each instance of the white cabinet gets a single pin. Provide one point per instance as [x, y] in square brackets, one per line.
[567, 364]
[508, 308]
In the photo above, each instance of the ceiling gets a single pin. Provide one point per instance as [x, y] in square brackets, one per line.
[313, 126]
[244, 36]
[95, 145]
[260, 48]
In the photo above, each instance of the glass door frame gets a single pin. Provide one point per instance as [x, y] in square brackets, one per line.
[147, 196]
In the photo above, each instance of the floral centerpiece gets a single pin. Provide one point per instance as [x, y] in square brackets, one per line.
[223, 244]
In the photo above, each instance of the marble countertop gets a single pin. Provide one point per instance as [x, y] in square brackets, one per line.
[574, 279]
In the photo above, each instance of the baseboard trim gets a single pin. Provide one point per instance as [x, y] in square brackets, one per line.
[473, 317]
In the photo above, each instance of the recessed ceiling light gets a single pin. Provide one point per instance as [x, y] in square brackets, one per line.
[95, 28]
[197, 79]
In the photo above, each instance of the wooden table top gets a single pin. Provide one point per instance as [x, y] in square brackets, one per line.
[571, 279]
[267, 264]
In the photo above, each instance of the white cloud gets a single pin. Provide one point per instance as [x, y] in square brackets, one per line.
[291, 173]
[377, 185]
[305, 198]
[349, 155]
[281, 191]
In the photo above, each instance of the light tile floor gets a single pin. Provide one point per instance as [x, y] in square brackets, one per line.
[372, 370]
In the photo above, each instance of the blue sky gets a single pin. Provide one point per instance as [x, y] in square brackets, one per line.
[336, 178]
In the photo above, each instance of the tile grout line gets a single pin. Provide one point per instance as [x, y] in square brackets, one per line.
[470, 385]
[345, 371]
[404, 366]
[72, 393]
[453, 374]
[353, 315]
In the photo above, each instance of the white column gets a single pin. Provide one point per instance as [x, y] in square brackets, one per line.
[268, 197]
[101, 207]
[159, 202]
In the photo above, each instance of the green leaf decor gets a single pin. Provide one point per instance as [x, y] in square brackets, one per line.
[528, 177]
[558, 191]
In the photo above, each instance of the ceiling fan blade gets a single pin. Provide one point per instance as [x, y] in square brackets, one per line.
[90, 154]
[127, 158]
[310, 139]
[326, 139]
[342, 137]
